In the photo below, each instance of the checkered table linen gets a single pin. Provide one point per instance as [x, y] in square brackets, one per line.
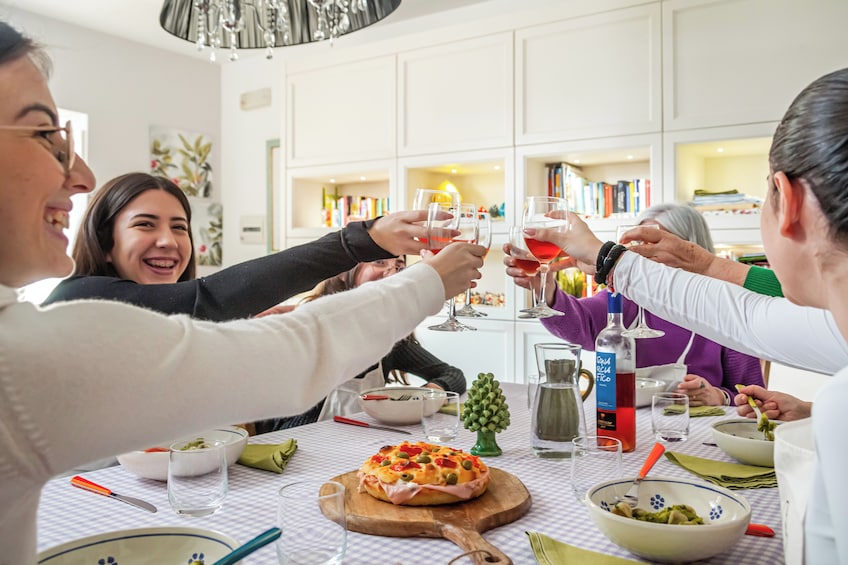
[327, 449]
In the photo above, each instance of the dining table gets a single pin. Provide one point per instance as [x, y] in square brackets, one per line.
[327, 449]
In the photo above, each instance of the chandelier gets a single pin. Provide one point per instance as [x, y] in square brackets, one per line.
[265, 24]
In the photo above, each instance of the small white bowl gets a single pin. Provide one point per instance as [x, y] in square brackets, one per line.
[740, 439]
[725, 514]
[646, 389]
[397, 412]
[154, 464]
[144, 545]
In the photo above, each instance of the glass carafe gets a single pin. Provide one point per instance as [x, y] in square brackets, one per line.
[558, 406]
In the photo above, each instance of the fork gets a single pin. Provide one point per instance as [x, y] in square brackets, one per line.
[631, 497]
[763, 424]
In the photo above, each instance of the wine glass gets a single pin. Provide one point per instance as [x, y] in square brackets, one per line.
[525, 261]
[537, 214]
[426, 196]
[484, 238]
[439, 236]
[642, 330]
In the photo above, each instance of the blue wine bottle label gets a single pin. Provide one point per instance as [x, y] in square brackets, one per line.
[605, 380]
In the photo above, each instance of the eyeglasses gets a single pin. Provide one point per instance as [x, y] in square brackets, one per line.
[61, 140]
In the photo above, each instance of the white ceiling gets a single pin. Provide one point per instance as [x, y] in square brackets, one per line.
[138, 20]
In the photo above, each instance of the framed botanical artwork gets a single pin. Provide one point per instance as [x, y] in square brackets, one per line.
[207, 224]
[273, 157]
[183, 157]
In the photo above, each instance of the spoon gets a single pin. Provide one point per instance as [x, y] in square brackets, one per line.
[241, 551]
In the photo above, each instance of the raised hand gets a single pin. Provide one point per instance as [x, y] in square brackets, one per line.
[458, 265]
[578, 242]
[397, 232]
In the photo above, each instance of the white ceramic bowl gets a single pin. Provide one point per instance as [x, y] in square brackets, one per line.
[397, 412]
[142, 546]
[646, 389]
[740, 439]
[154, 465]
[726, 516]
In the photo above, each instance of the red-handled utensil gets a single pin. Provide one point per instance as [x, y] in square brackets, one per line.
[343, 420]
[90, 486]
[374, 397]
[759, 530]
[632, 496]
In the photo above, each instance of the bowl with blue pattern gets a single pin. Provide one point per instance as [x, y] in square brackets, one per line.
[172, 545]
[725, 516]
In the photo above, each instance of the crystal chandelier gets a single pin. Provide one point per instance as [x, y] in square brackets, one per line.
[265, 24]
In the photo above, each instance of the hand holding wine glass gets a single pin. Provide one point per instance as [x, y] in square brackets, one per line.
[550, 214]
[642, 330]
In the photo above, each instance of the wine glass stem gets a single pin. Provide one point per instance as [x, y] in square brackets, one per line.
[543, 270]
[452, 308]
[641, 317]
[468, 297]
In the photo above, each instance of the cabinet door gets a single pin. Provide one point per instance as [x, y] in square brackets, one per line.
[743, 61]
[456, 97]
[342, 113]
[487, 350]
[589, 77]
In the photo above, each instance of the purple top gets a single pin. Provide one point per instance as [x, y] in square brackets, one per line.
[586, 317]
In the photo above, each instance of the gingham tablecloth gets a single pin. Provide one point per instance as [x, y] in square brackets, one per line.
[328, 449]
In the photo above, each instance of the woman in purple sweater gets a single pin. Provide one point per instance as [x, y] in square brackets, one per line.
[712, 370]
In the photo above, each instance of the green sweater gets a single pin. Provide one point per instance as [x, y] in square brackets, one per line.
[763, 281]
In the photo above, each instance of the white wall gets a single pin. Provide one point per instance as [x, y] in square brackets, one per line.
[126, 87]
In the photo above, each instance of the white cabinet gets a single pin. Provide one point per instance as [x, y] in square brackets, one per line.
[488, 350]
[456, 96]
[342, 113]
[592, 76]
[718, 159]
[743, 61]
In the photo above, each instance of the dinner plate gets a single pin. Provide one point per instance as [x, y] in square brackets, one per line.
[142, 546]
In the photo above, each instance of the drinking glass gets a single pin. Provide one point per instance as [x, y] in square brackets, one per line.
[525, 261]
[439, 235]
[642, 330]
[197, 478]
[311, 515]
[594, 459]
[426, 196]
[552, 214]
[670, 416]
[440, 415]
[484, 238]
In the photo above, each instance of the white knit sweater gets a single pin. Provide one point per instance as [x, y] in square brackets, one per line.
[80, 381]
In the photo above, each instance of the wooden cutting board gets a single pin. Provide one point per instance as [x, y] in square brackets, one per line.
[506, 500]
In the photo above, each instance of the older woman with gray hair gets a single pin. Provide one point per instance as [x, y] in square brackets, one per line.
[706, 371]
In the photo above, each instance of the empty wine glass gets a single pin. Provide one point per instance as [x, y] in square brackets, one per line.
[484, 238]
[551, 213]
[439, 235]
[642, 330]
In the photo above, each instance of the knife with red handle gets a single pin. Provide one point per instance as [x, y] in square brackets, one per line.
[343, 420]
[90, 486]
[759, 530]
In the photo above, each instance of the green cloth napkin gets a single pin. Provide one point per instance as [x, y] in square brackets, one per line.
[270, 457]
[732, 476]
[549, 551]
[695, 411]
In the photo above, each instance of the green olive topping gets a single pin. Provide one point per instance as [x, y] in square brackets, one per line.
[466, 464]
[385, 462]
[451, 478]
[403, 454]
[406, 476]
[422, 459]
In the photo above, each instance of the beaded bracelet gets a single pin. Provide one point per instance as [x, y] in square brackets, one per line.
[602, 254]
[609, 262]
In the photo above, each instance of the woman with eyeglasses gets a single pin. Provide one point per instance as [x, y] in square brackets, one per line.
[135, 245]
[68, 368]
[407, 355]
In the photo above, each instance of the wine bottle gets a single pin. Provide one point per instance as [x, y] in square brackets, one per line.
[615, 379]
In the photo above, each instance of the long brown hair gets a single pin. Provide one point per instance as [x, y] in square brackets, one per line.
[96, 237]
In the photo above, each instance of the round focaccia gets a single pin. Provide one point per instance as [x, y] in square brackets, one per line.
[423, 474]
